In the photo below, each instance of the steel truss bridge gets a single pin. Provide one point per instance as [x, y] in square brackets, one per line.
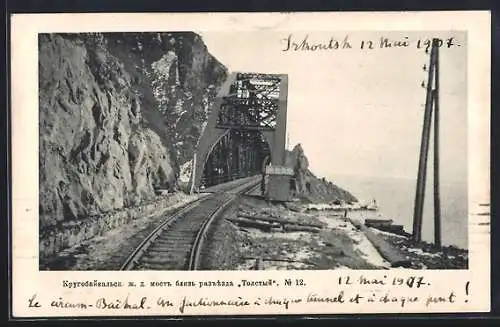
[245, 132]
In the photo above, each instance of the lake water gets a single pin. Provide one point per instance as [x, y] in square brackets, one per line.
[396, 196]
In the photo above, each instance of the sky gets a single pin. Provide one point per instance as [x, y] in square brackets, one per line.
[359, 111]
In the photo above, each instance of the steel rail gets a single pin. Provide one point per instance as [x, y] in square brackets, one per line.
[132, 260]
[198, 245]
[195, 253]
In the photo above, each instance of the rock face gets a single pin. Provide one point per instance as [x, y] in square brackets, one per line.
[310, 187]
[119, 114]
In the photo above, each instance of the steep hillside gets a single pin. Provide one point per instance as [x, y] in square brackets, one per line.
[308, 186]
[119, 114]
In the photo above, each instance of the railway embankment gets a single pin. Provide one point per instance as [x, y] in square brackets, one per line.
[117, 235]
[104, 242]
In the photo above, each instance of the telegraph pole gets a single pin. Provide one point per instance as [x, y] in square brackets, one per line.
[424, 149]
[437, 200]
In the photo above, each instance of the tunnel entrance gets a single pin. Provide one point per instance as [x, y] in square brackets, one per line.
[237, 154]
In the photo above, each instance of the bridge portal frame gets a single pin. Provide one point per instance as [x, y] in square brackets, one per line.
[278, 185]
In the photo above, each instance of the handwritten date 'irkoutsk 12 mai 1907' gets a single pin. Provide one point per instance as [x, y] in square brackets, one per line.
[293, 43]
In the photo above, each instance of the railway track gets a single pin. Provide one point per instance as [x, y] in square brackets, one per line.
[177, 243]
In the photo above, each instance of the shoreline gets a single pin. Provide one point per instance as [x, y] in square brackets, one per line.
[357, 212]
[337, 242]
[423, 254]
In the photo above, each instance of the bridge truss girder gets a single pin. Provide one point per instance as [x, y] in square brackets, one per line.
[237, 154]
[247, 104]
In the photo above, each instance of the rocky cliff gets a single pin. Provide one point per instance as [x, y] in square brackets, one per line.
[120, 113]
[308, 186]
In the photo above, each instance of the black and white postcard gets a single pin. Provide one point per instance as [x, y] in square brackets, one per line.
[298, 163]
